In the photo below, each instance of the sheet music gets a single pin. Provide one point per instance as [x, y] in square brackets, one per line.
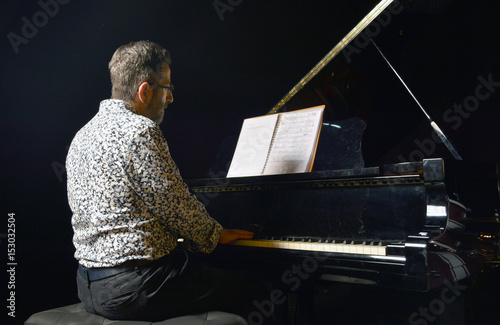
[277, 144]
[253, 146]
[294, 144]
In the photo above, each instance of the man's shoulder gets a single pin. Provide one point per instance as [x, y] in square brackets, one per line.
[116, 118]
[118, 112]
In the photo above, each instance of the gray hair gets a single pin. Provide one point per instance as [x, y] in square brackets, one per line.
[134, 63]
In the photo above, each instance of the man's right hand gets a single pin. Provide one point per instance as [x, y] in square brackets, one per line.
[230, 235]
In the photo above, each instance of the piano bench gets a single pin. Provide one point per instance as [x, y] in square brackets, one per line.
[76, 315]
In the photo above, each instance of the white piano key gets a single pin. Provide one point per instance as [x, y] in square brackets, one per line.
[346, 247]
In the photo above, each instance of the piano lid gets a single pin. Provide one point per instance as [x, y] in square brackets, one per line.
[364, 23]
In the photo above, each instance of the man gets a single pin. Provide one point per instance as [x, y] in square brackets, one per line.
[132, 211]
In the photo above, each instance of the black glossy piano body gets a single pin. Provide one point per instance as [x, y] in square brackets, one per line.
[375, 225]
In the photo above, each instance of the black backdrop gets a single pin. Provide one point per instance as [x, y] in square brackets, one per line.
[231, 60]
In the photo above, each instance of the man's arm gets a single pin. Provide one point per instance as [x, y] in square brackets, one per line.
[158, 183]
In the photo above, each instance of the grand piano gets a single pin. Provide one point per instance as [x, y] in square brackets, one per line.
[393, 225]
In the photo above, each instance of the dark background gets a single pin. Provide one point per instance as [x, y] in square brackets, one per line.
[225, 68]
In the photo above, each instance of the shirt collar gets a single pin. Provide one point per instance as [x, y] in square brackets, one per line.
[117, 104]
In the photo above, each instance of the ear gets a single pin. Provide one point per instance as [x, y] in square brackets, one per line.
[145, 93]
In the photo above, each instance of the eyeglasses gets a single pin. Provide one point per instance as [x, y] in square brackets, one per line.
[171, 87]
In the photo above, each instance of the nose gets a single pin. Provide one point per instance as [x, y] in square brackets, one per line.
[170, 97]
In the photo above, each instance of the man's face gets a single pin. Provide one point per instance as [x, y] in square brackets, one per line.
[161, 98]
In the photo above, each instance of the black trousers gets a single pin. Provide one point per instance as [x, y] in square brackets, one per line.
[178, 284]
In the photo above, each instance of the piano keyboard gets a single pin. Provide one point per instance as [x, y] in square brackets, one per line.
[349, 247]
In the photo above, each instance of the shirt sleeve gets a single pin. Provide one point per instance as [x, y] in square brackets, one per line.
[158, 182]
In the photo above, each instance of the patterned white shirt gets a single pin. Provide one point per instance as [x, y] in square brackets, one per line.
[127, 196]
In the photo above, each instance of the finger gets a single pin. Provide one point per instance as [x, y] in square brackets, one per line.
[241, 231]
[245, 234]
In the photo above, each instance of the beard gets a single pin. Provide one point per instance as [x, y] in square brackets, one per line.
[156, 110]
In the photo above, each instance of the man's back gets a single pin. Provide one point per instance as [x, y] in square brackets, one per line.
[121, 183]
